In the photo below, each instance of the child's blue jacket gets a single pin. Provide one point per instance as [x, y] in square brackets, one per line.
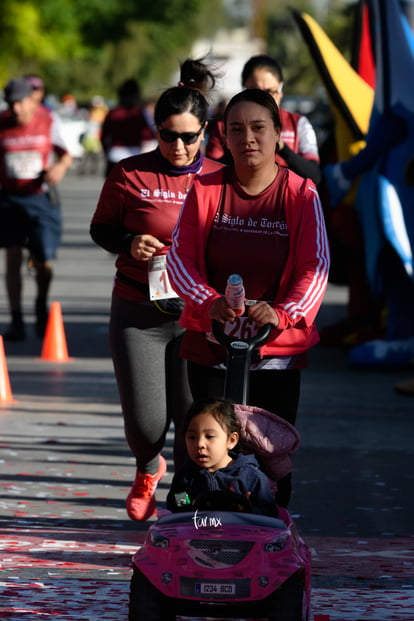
[242, 476]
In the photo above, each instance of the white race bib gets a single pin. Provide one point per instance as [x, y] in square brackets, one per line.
[23, 164]
[158, 281]
[242, 328]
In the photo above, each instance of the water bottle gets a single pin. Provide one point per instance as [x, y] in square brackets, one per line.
[235, 294]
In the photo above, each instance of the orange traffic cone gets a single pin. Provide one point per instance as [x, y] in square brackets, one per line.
[5, 389]
[54, 343]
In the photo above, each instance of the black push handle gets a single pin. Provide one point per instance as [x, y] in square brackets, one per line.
[255, 341]
[239, 351]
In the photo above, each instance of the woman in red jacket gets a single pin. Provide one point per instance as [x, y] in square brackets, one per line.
[264, 222]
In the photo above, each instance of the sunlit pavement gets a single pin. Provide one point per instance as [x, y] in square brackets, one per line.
[65, 540]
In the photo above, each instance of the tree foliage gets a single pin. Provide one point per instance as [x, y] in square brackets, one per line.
[285, 42]
[89, 46]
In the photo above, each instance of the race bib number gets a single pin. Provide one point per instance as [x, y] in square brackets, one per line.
[158, 281]
[241, 329]
[23, 164]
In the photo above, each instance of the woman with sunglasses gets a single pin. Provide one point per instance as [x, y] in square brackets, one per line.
[264, 222]
[298, 145]
[136, 213]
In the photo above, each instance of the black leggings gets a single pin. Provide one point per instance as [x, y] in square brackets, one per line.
[272, 390]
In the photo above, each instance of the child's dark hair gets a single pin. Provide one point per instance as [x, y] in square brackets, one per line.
[196, 80]
[222, 411]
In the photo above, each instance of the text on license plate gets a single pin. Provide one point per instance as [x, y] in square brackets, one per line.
[207, 588]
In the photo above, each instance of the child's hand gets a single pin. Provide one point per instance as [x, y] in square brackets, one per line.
[245, 506]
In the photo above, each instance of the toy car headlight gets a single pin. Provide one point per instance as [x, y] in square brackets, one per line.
[277, 544]
[159, 541]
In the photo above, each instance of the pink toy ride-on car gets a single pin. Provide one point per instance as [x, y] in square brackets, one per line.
[219, 560]
[221, 564]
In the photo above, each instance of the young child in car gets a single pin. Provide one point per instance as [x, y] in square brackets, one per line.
[212, 436]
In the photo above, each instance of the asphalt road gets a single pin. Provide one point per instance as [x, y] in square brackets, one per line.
[65, 539]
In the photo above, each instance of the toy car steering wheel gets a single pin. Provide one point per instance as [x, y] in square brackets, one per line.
[222, 500]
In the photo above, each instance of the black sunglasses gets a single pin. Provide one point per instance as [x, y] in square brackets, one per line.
[187, 137]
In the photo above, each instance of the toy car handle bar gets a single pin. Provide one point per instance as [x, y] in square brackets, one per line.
[239, 352]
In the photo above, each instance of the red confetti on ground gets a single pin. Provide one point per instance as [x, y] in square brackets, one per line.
[67, 561]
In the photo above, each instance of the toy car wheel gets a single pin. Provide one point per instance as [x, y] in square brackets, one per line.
[146, 603]
[287, 602]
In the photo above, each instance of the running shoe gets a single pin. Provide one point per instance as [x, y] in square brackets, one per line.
[140, 502]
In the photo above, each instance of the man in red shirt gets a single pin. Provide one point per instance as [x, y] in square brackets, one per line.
[32, 158]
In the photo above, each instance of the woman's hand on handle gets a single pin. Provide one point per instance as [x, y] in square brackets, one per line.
[263, 313]
[221, 311]
[143, 247]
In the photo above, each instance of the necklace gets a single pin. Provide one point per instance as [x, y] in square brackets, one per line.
[188, 181]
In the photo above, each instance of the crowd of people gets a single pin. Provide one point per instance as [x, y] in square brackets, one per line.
[137, 212]
[186, 201]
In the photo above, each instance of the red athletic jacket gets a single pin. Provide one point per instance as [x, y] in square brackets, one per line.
[304, 275]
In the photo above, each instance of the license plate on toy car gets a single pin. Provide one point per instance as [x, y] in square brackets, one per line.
[214, 588]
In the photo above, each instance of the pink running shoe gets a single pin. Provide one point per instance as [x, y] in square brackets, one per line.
[140, 502]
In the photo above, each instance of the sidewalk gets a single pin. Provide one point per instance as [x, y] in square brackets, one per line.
[65, 539]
